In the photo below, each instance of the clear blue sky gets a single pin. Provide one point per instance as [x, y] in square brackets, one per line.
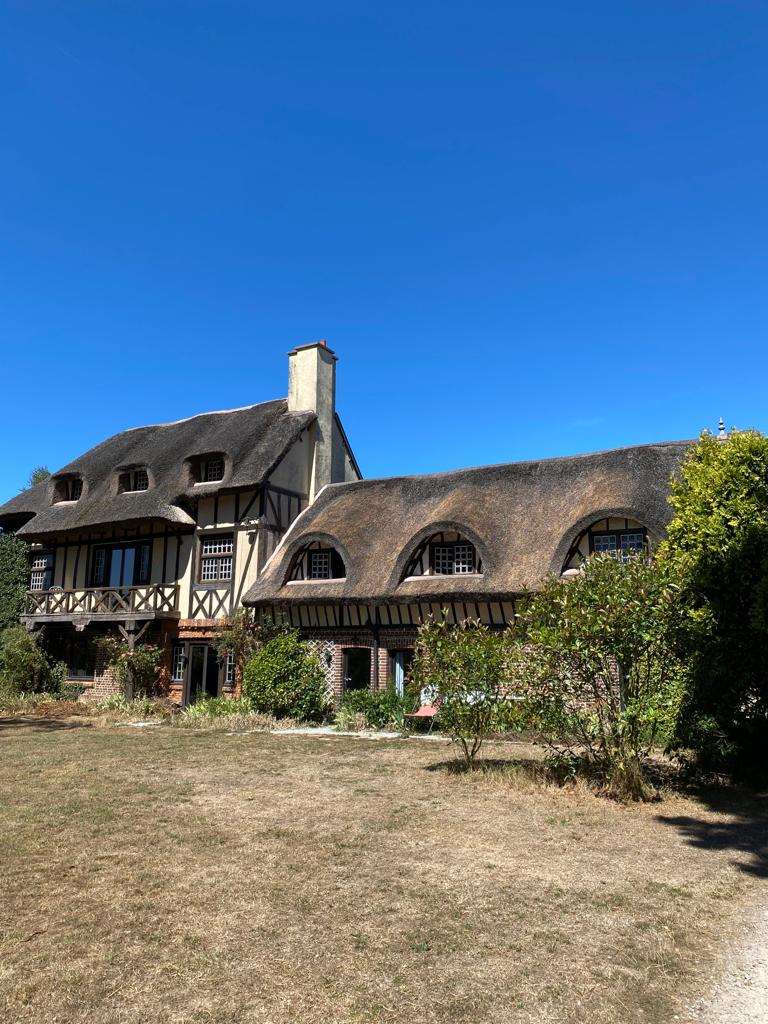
[526, 229]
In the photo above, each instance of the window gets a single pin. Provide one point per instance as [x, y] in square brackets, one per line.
[216, 559]
[68, 488]
[320, 565]
[134, 480]
[178, 662]
[41, 574]
[620, 544]
[229, 669]
[453, 559]
[213, 470]
[121, 565]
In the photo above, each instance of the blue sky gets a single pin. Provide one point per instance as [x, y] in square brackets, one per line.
[526, 229]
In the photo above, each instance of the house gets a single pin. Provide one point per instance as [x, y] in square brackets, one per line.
[163, 531]
[159, 531]
[369, 561]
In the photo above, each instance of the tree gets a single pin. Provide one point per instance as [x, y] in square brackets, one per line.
[138, 670]
[38, 476]
[14, 577]
[23, 664]
[463, 667]
[595, 658]
[718, 544]
[284, 678]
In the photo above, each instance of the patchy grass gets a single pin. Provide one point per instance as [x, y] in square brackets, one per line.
[183, 876]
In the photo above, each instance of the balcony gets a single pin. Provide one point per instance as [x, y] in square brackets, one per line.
[102, 604]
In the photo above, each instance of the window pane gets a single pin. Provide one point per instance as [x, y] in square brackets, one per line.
[140, 480]
[463, 558]
[214, 470]
[37, 581]
[177, 663]
[632, 541]
[221, 545]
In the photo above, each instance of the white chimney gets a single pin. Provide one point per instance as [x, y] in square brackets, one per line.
[312, 388]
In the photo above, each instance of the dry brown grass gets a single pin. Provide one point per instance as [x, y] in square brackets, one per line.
[177, 876]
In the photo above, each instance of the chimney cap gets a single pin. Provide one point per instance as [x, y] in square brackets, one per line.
[313, 344]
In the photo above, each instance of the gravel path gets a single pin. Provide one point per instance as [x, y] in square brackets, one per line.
[741, 995]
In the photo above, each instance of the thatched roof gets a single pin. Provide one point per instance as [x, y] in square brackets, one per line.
[522, 517]
[253, 440]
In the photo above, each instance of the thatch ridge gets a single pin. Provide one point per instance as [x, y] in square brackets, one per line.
[522, 515]
[253, 440]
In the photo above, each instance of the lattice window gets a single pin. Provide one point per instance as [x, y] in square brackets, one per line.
[99, 562]
[37, 580]
[214, 470]
[216, 559]
[178, 662]
[75, 489]
[134, 480]
[229, 669]
[463, 558]
[320, 565]
[41, 570]
[632, 541]
[605, 542]
[442, 561]
[453, 559]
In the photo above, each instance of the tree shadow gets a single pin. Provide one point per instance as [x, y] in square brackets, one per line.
[743, 828]
[40, 724]
[491, 766]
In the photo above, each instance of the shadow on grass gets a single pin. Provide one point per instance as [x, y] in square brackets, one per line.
[40, 724]
[744, 829]
[534, 769]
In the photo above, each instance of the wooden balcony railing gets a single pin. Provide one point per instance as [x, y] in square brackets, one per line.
[151, 600]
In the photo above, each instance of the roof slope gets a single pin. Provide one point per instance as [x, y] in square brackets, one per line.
[253, 439]
[522, 517]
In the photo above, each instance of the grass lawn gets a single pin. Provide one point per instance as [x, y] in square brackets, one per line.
[169, 875]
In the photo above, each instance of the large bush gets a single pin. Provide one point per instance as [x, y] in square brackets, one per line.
[24, 667]
[138, 670]
[14, 577]
[463, 668]
[718, 545]
[595, 658]
[284, 678]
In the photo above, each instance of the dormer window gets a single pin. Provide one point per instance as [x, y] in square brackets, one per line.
[444, 554]
[208, 469]
[67, 488]
[133, 480]
[318, 562]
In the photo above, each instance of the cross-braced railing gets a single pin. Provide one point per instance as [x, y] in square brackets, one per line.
[152, 598]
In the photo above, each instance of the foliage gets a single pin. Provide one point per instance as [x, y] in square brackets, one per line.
[38, 476]
[14, 576]
[593, 656]
[239, 637]
[375, 709]
[284, 678]
[718, 545]
[464, 668]
[23, 664]
[217, 707]
[138, 707]
[137, 671]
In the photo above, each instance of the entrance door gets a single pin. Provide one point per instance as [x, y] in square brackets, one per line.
[400, 663]
[203, 673]
[357, 668]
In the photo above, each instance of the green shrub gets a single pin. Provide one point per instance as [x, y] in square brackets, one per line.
[284, 678]
[139, 707]
[374, 709]
[23, 664]
[217, 707]
[14, 577]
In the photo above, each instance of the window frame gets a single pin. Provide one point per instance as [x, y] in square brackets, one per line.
[618, 534]
[215, 556]
[45, 571]
[128, 478]
[452, 545]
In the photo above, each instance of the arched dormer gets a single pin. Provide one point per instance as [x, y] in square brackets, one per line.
[441, 550]
[318, 560]
[133, 478]
[615, 535]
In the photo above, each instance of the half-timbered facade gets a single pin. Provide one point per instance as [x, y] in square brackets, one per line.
[368, 562]
[159, 531]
